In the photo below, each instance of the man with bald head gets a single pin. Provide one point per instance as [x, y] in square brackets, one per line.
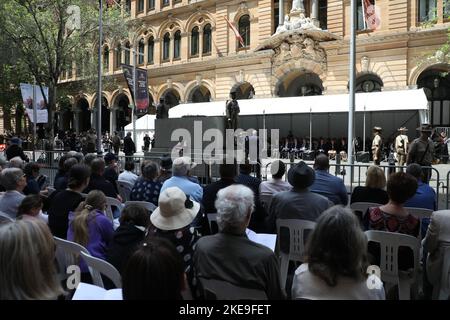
[326, 184]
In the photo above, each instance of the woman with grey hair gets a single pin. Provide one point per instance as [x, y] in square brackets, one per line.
[336, 261]
[230, 255]
[147, 188]
[14, 181]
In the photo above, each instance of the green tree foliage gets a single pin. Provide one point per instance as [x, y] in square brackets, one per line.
[48, 37]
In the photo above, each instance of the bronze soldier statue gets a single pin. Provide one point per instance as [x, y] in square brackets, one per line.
[232, 111]
[162, 109]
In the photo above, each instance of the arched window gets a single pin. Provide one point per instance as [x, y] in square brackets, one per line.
[118, 56]
[207, 39]
[141, 48]
[166, 46]
[177, 45]
[244, 30]
[106, 59]
[151, 4]
[127, 53]
[150, 49]
[194, 41]
[368, 83]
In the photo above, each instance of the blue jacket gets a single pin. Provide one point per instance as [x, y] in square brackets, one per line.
[330, 186]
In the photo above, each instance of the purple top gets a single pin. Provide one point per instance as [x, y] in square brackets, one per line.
[100, 235]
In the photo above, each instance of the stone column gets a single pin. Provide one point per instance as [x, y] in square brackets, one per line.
[315, 12]
[112, 120]
[281, 12]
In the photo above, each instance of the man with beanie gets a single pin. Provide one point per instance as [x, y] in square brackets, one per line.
[298, 203]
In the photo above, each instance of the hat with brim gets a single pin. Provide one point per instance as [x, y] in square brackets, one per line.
[301, 176]
[15, 140]
[377, 129]
[175, 210]
[404, 129]
[166, 162]
[425, 128]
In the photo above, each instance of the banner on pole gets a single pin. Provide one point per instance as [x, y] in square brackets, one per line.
[141, 100]
[27, 98]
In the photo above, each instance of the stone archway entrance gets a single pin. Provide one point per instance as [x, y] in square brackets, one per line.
[123, 112]
[244, 90]
[84, 123]
[298, 83]
[105, 115]
[172, 97]
[200, 94]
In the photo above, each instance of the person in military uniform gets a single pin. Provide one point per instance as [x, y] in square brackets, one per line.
[162, 110]
[421, 151]
[401, 146]
[232, 111]
[377, 143]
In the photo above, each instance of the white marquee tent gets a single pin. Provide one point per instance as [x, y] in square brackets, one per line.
[413, 99]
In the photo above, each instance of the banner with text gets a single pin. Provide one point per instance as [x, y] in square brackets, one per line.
[141, 100]
[39, 104]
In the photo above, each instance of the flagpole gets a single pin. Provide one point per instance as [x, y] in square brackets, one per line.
[35, 119]
[99, 92]
[352, 77]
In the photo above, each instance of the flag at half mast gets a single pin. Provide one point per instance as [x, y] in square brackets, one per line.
[236, 32]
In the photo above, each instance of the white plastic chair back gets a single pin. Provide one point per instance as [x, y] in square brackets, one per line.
[112, 202]
[389, 245]
[97, 267]
[362, 207]
[296, 252]
[419, 213]
[67, 254]
[266, 199]
[222, 290]
[442, 291]
[124, 188]
[147, 205]
[212, 220]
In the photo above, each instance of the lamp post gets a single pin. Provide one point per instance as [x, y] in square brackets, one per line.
[99, 90]
[352, 76]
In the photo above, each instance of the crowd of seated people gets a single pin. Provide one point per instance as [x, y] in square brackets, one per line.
[169, 253]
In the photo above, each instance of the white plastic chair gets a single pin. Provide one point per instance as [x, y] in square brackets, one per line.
[97, 267]
[223, 290]
[212, 219]
[296, 252]
[266, 199]
[389, 245]
[442, 291]
[67, 254]
[148, 205]
[362, 207]
[112, 202]
[124, 188]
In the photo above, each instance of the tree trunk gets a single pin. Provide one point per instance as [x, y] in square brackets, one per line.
[51, 109]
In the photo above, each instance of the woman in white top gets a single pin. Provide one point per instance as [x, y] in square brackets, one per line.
[336, 257]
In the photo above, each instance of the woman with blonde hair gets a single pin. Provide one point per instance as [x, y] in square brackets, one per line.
[27, 255]
[374, 189]
[89, 227]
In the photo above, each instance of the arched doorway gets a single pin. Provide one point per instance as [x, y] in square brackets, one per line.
[67, 119]
[172, 97]
[244, 90]
[436, 83]
[298, 83]
[368, 82]
[84, 123]
[123, 112]
[200, 94]
[105, 115]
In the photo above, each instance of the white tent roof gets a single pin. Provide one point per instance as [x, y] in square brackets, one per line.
[413, 99]
[146, 122]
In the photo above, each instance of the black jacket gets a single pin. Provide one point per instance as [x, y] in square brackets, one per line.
[15, 151]
[128, 146]
[125, 241]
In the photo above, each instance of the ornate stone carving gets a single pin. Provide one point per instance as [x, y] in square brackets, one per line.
[299, 46]
[365, 63]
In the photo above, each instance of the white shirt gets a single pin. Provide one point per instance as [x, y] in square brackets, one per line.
[274, 186]
[309, 286]
[128, 176]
